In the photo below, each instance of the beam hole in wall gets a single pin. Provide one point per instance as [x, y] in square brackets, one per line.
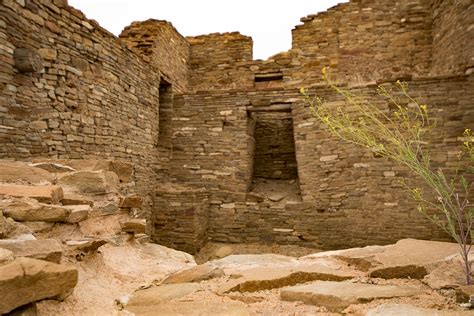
[275, 172]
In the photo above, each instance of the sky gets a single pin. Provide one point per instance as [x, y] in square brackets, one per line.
[268, 22]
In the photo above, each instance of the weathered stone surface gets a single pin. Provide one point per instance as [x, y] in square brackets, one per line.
[258, 279]
[89, 182]
[39, 227]
[45, 249]
[226, 308]
[391, 309]
[86, 245]
[76, 199]
[3, 224]
[198, 273]
[6, 256]
[336, 296]
[30, 210]
[50, 194]
[107, 225]
[135, 225]
[133, 201]
[411, 258]
[78, 213]
[157, 294]
[22, 173]
[27, 280]
[449, 273]
[53, 167]
[222, 252]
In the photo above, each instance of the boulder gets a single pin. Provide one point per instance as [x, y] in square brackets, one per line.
[30, 210]
[198, 273]
[45, 249]
[135, 225]
[50, 194]
[22, 173]
[448, 273]
[78, 213]
[336, 296]
[158, 294]
[89, 182]
[264, 278]
[27, 280]
[196, 308]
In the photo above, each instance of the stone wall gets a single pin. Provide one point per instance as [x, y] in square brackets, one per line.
[349, 196]
[365, 40]
[160, 44]
[453, 33]
[274, 146]
[221, 61]
[93, 99]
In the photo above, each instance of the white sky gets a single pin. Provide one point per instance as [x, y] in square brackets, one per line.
[268, 22]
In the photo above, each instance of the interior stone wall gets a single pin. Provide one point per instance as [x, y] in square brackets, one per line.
[274, 146]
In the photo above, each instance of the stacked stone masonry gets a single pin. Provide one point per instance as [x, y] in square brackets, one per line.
[200, 119]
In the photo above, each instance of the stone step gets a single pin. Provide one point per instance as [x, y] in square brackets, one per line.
[30, 210]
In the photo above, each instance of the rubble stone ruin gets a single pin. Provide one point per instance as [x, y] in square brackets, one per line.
[222, 146]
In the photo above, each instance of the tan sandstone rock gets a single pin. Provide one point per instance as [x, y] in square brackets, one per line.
[27, 280]
[336, 296]
[89, 182]
[50, 194]
[134, 225]
[6, 256]
[158, 294]
[45, 249]
[391, 309]
[22, 173]
[198, 273]
[30, 210]
[226, 308]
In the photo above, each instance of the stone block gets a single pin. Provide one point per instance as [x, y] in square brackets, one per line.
[50, 194]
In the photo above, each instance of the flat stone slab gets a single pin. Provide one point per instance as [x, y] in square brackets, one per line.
[411, 258]
[195, 274]
[336, 296]
[78, 213]
[158, 294]
[27, 280]
[50, 194]
[226, 308]
[89, 182]
[30, 210]
[45, 249]
[135, 225]
[405, 309]
[258, 279]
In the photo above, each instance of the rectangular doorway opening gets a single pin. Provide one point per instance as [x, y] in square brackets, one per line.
[275, 171]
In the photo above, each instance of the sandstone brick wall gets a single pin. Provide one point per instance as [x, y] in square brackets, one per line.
[349, 196]
[453, 34]
[162, 46]
[365, 40]
[220, 61]
[94, 98]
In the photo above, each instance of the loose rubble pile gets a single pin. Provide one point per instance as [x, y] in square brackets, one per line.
[71, 246]
[54, 217]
